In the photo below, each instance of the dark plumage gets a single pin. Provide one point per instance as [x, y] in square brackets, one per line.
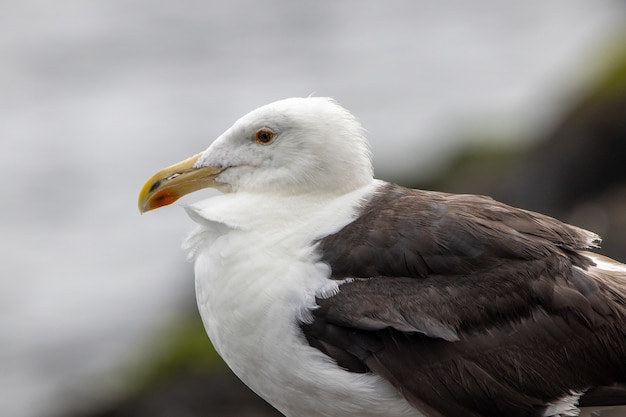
[471, 307]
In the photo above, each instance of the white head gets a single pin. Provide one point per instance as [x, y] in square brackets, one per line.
[313, 145]
[292, 146]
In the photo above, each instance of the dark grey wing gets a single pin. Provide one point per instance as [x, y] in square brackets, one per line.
[415, 233]
[469, 307]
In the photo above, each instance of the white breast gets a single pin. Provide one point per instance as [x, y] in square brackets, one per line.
[257, 276]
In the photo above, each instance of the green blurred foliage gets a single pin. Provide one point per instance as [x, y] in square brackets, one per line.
[187, 350]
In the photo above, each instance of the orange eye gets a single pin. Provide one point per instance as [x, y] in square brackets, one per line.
[264, 136]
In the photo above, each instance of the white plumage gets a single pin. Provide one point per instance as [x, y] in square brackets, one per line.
[324, 154]
[256, 278]
[280, 199]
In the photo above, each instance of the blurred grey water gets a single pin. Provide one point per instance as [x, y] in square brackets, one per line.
[97, 95]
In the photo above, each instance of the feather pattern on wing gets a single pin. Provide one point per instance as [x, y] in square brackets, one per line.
[460, 301]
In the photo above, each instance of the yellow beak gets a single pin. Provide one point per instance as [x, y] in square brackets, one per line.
[171, 183]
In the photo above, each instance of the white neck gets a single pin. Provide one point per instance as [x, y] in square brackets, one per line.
[251, 309]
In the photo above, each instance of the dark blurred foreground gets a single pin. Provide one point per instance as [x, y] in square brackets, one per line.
[577, 173]
[192, 395]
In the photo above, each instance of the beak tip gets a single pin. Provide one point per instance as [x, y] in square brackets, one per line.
[159, 199]
[143, 204]
[169, 184]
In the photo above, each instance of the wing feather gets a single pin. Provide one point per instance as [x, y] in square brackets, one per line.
[468, 306]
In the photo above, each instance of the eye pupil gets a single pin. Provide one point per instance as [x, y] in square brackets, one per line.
[264, 136]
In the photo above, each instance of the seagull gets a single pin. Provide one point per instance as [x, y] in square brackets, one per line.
[334, 294]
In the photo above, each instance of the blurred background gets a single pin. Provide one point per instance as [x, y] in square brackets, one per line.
[525, 101]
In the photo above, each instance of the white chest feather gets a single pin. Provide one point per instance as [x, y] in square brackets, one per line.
[257, 277]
